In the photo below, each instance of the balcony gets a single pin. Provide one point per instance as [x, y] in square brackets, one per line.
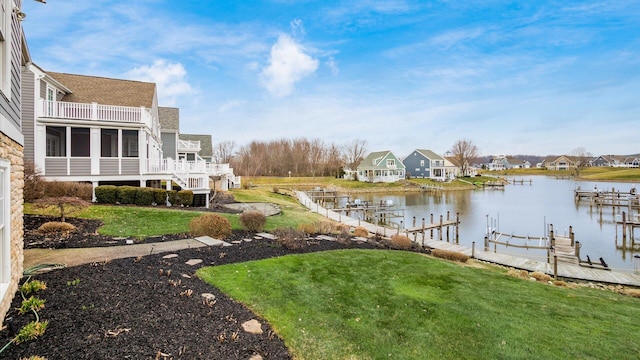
[95, 112]
[188, 146]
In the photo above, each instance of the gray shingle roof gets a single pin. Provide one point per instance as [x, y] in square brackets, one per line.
[101, 90]
[169, 118]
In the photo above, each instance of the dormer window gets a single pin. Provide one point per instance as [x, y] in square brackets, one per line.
[391, 163]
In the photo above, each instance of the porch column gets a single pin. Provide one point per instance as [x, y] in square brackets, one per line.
[94, 185]
[207, 200]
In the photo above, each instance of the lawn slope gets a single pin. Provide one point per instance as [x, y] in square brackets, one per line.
[374, 304]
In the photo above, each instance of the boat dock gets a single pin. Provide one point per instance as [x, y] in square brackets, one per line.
[555, 267]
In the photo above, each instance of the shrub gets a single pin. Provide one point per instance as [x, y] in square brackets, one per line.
[253, 220]
[126, 194]
[324, 227]
[541, 277]
[400, 242]
[33, 182]
[160, 196]
[83, 191]
[186, 197]
[56, 228]
[449, 255]
[210, 224]
[173, 197]
[106, 194]
[307, 228]
[362, 232]
[223, 197]
[291, 238]
[145, 196]
[521, 274]
[632, 292]
[343, 229]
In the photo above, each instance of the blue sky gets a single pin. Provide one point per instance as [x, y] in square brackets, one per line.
[514, 77]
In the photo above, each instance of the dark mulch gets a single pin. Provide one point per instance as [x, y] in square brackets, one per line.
[140, 308]
[86, 235]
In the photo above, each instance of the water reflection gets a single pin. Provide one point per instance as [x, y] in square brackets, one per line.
[527, 210]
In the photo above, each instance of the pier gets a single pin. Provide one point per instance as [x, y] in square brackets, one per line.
[557, 269]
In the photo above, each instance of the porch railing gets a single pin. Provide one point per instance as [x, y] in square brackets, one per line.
[188, 145]
[94, 111]
[170, 166]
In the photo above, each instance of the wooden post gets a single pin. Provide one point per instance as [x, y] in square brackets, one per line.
[571, 236]
[551, 237]
[440, 228]
[624, 225]
[473, 249]
[578, 250]
[414, 222]
[548, 255]
[431, 222]
[422, 231]
[457, 227]
[486, 243]
[555, 267]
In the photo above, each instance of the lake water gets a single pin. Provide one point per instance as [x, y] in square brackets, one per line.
[526, 210]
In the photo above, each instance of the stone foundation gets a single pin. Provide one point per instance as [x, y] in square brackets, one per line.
[13, 152]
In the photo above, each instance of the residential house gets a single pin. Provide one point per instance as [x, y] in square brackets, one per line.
[562, 162]
[105, 131]
[192, 147]
[602, 161]
[453, 167]
[14, 55]
[632, 161]
[425, 164]
[381, 166]
[502, 162]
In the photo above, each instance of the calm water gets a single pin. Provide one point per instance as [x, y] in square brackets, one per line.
[524, 210]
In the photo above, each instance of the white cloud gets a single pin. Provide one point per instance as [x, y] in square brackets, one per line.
[297, 28]
[333, 66]
[288, 64]
[169, 78]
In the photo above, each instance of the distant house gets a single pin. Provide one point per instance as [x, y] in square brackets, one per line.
[381, 166]
[425, 164]
[14, 55]
[632, 161]
[562, 162]
[602, 161]
[506, 163]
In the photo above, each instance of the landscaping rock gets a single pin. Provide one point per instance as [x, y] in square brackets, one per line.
[170, 256]
[252, 327]
[193, 262]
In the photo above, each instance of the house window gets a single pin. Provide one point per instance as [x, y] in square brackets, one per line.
[80, 142]
[391, 163]
[56, 141]
[5, 226]
[129, 143]
[421, 162]
[109, 142]
[5, 47]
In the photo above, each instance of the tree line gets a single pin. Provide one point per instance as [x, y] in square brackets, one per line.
[291, 157]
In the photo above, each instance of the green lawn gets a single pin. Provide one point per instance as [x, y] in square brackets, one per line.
[375, 304]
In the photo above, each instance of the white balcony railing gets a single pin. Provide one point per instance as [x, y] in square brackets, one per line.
[170, 166]
[188, 146]
[94, 111]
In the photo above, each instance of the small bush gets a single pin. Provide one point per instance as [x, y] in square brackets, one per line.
[106, 194]
[400, 242]
[56, 228]
[253, 220]
[210, 224]
[186, 197]
[32, 287]
[83, 191]
[362, 232]
[145, 196]
[307, 228]
[291, 238]
[173, 197]
[632, 292]
[450, 255]
[560, 283]
[541, 277]
[160, 196]
[33, 182]
[276, 190]
[343, 229]
[126, 194]
[324, 227]
[521, 274]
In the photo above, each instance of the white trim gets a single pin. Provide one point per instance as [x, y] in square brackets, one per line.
[7, 127]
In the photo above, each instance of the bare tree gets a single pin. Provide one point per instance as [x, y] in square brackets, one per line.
[354, 152]
[580, 156]
[224, 152]
[464, 151]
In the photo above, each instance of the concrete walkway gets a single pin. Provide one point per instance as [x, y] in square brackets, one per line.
[75, 257]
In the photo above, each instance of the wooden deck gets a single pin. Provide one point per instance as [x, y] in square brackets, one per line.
[564, 270]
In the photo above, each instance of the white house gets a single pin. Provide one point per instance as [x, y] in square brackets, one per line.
[105, 131]
[381, 166]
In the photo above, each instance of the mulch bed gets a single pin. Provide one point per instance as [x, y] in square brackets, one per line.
[151, 308]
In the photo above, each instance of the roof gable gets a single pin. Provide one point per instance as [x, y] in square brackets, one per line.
[429, 154]
[169, 118]
[206, 145]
